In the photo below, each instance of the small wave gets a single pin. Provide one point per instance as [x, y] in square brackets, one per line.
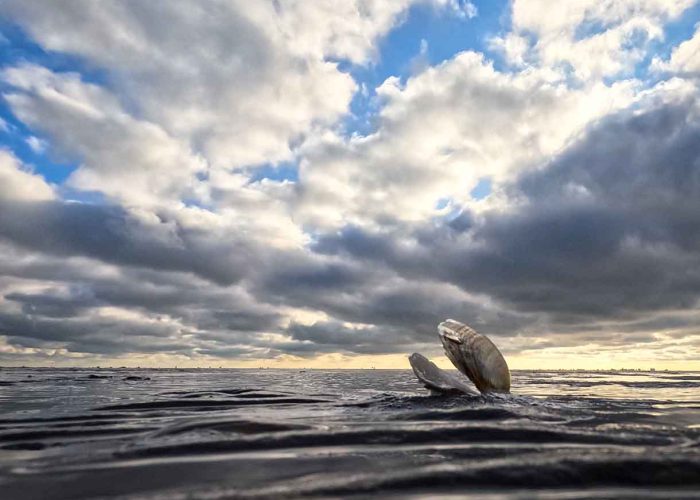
[68, 434]
[395, 436]
[391, 401]
[461, 415]
[587, 471]
[239, 426]
[636, 384]
[51, 420]
[207, 404]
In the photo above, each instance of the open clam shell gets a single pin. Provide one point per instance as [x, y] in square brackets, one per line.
[475, 356]
[438, 380]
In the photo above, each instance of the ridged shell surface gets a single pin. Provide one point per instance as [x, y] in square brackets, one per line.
[476, 356]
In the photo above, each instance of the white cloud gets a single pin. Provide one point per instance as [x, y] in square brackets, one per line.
[35, 144]
[685, 58]
[440, 133]
[513, 46]
[462, 8]
[595, 38]
[128, 159]
[237, 80]
[20, 184]
[137, 163]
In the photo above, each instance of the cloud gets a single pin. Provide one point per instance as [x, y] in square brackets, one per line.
[439, 134]
[35, 144]
[282, 85]
[112, 234]
[20, 184]
[236, 81]
[127, 159]
[608, 230]
[164, 241]
[80, 304]
[595, 39]
[685, 58]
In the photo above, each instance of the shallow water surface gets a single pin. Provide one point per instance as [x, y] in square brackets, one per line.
[287, 433]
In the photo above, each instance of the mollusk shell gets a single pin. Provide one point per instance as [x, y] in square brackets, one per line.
[475, 356]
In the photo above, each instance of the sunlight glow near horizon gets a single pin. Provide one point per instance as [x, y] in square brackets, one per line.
[336, 361]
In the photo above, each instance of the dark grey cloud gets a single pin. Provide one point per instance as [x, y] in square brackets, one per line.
[111, 234]
[610, 229]
[88, 333]
[154, 311]
[52, 305]
[333, 336]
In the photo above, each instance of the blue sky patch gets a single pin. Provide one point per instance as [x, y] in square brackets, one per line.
[482, 189]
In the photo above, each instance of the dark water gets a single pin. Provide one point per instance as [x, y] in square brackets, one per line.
[283, 433]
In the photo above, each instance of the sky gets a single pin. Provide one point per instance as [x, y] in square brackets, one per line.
[289, 183]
